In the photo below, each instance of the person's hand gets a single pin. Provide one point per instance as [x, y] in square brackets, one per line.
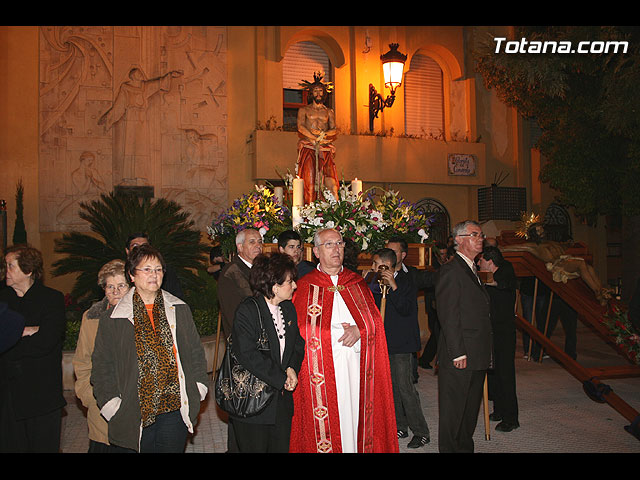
[292, 380]
[351, 335]
[28, 331]
[460, 363]
[388, 278]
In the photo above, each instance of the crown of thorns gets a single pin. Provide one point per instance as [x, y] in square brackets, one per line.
[317, 81]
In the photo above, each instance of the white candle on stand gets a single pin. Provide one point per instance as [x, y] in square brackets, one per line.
[278, 192]
[298, 191]
[356, 186]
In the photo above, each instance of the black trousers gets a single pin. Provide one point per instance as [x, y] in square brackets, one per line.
[264, 438]
[502, 378]
[39, 434]
[459, 398]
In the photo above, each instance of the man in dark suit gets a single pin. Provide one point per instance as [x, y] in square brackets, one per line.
[233, 287]
[464, 346]
[233, 283]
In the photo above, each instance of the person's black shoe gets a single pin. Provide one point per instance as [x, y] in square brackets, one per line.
[418, 441]
[495, 417]
[506, 426]
[403, 434]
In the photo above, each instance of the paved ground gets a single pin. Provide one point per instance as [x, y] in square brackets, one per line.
[555, 414]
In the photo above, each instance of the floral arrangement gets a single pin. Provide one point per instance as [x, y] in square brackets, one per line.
[364, 220]
[367, 221]
[623, 332]
[354, 216]
[258, 209]
[403, 218]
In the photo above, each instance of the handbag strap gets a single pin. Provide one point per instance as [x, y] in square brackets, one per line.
[259, 314]
[263, 340]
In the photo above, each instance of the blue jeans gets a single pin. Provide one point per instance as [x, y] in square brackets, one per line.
[168, 434]
[405, 396]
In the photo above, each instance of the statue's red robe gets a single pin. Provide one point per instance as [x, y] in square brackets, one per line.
[316, 425]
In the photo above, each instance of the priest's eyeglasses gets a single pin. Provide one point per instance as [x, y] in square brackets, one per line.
[330, 245]
[473, 234]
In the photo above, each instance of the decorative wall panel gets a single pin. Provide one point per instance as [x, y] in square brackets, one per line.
[132, 106]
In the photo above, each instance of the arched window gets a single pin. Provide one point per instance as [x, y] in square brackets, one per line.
[300, 62]
[557, 223]
[440, 228]
[424, 98]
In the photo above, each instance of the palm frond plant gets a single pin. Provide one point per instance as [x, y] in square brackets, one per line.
[112, 218]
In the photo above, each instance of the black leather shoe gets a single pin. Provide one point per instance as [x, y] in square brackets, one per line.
[506, 426]
[495, 417]
[403, 434]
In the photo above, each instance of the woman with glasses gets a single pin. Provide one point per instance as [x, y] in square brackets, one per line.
[149, 370]
[112, 280]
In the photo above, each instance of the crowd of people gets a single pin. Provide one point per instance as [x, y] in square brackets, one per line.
[342, 347]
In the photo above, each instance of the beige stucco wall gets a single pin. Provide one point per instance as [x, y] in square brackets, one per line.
[19, 124]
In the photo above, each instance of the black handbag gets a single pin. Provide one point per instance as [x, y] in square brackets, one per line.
[238, 391]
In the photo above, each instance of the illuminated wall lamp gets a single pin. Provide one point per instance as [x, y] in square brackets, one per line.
[393, 68]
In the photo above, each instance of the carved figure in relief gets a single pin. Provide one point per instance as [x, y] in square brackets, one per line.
[128, 118]
[317, 131]
[86, 182]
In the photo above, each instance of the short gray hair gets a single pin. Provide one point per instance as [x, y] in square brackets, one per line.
[110, 269]
[461, 229]
[316, 236]
[241, 234]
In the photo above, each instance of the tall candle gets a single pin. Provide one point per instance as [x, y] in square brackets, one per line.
[356, 186]
[278, 192]
[298, 191]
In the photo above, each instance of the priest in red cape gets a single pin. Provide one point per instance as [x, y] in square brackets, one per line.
[344, 399]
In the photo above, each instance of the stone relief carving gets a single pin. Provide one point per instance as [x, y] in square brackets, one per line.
[132, 106]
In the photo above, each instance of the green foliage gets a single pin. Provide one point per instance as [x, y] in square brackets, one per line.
[204, 304]
[587, 108]
[112, 219]
[19, 230]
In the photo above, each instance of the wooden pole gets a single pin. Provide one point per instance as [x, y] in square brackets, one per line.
[546, 325]
[533, 316]
[383, 301]
[487, 428]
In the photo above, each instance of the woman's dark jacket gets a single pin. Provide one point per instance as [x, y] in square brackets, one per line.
[31, 370]
[267, 366]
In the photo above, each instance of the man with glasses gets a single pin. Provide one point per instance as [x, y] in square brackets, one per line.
[344, 398]
[290, 242]
[464, 346]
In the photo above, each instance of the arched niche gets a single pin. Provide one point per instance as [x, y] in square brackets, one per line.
[323, 39]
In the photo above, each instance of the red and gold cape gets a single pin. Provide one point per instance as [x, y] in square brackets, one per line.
[316, 424]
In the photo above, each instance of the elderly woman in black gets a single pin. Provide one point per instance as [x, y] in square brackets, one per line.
[272, 280]
[31, 399]
[149, 371]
